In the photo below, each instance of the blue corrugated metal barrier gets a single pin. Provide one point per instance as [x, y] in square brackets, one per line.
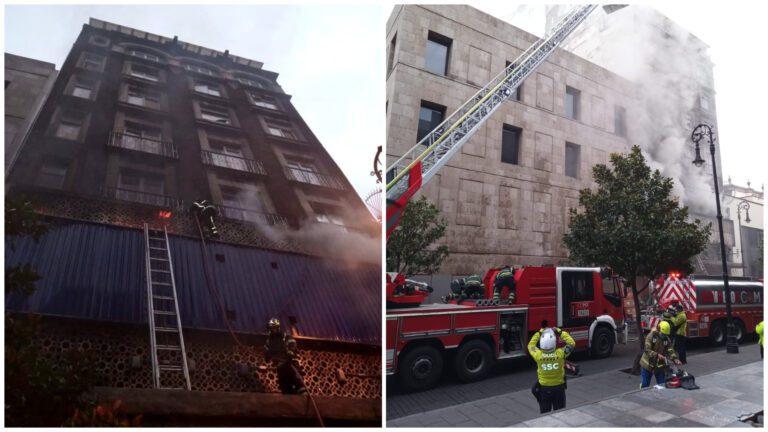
[98, 272]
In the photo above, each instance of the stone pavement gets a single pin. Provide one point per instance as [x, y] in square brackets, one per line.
[724, 386]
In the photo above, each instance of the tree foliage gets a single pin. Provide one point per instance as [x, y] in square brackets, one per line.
[409, 248]
[633, 224]
[39, 391]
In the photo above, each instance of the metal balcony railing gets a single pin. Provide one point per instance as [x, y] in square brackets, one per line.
[142, 197]
[233, 162]
[311, 177]
[252, 216]
[143, 144]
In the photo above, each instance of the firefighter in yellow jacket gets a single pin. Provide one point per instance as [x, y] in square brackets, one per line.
[658, 348]
[759, 331]
[550, 366]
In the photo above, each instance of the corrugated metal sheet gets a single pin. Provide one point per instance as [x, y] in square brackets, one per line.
[97, 272]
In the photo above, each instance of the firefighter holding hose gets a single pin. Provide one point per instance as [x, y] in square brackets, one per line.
[281, 348]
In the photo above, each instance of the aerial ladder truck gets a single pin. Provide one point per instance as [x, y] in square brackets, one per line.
[482, 331]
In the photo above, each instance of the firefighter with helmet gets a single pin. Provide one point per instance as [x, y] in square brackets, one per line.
[281, 349]
[466, 288]
[680, 320]
[505, 278]
[550, 367]
[658, 349]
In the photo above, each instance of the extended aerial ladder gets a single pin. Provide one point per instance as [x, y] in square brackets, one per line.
[419, 164]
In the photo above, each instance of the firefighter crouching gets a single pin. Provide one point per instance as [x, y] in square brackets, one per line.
[658, 348]
[504, 278]
[550, 367]
[466, 288]
[281, 349]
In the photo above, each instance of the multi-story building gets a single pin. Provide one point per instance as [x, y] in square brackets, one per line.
[506, 195]
[745, 206]
[138, 127]
[27, 84]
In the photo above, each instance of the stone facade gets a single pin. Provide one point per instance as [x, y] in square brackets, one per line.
[499, 212]
[738, 203]
[27, 84]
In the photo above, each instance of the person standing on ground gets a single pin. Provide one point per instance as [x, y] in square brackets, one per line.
[759, 331]
[680, 321]
[658, 348]
[550, 366]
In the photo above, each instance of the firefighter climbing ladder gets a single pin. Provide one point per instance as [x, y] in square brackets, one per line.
[167, 341]
[448, 137]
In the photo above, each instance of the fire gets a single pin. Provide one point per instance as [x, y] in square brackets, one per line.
[164, 214]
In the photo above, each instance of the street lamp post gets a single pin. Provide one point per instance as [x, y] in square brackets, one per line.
[699, 132]
[743, 205]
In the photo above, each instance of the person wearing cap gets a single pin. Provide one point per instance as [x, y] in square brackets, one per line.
[658, 349]
[550, 366]
[680, 320]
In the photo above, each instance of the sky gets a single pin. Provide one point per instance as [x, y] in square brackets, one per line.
[322, 54]
[731, 29]
[331, 59]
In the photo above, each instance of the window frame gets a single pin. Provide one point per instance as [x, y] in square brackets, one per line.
[214, 109]
[506, 128]
[433, 39]
[135, 73]
[85, 62]
[255, 96]
[46, 162]
[282, 124]
[434, 108]
[575, 94]
[577, 167]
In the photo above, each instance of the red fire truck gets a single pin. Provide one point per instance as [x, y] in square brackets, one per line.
[469, 336]
[703, 299]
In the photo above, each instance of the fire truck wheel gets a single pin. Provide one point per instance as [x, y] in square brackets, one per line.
[602, 342]
[717, 332]
[421, 368]
[738, 327]
[473, 361]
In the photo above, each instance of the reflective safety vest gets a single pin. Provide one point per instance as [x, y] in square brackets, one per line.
[550, 367]
[681, 321]
[759, 330]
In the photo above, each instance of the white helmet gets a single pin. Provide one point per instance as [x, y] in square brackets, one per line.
[548, 340]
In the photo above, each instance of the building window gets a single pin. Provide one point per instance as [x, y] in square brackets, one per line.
[140, 181]
[145, 72]
[70, 125]
[572, 159]
[510, 144]
[142, 137]
[518, 91]
[280, 128]
[250, 82]
[327, 214]
[620, 121]
[438, 47]
[215, 113]
[142, 96]
[391, 56]
[430, 117]
[92, 61]
[208, 88]
[572, 101]
[200, 70]
[144, 55]
[83, 87]
[100, 41]
[52, 174]
[263, 101]
[227, 154]
[303, 170]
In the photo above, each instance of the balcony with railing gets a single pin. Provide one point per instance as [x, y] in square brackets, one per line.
[142, 197]
[315, 178]
[233, 162]
[253, 216]
[143, 144]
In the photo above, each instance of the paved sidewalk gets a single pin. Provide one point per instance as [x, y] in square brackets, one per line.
[519, 407]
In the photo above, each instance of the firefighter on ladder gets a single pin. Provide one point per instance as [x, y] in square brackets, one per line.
[505, 278]
[550, 367]
[281, 348]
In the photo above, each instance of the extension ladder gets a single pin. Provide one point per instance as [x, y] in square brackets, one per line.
[169, 357]
[437, 147]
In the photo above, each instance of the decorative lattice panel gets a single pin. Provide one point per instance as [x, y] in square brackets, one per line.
[219, 364]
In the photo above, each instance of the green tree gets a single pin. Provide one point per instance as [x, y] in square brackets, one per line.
[38, 390]
[409, 248]
[633, 224]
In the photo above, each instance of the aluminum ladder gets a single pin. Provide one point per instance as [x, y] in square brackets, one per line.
[169, 356]
[437, 147]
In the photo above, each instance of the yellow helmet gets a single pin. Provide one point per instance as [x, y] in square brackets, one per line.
[664, 327]
[274, 323]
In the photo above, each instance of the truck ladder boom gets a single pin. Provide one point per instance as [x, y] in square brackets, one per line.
[435, 149]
